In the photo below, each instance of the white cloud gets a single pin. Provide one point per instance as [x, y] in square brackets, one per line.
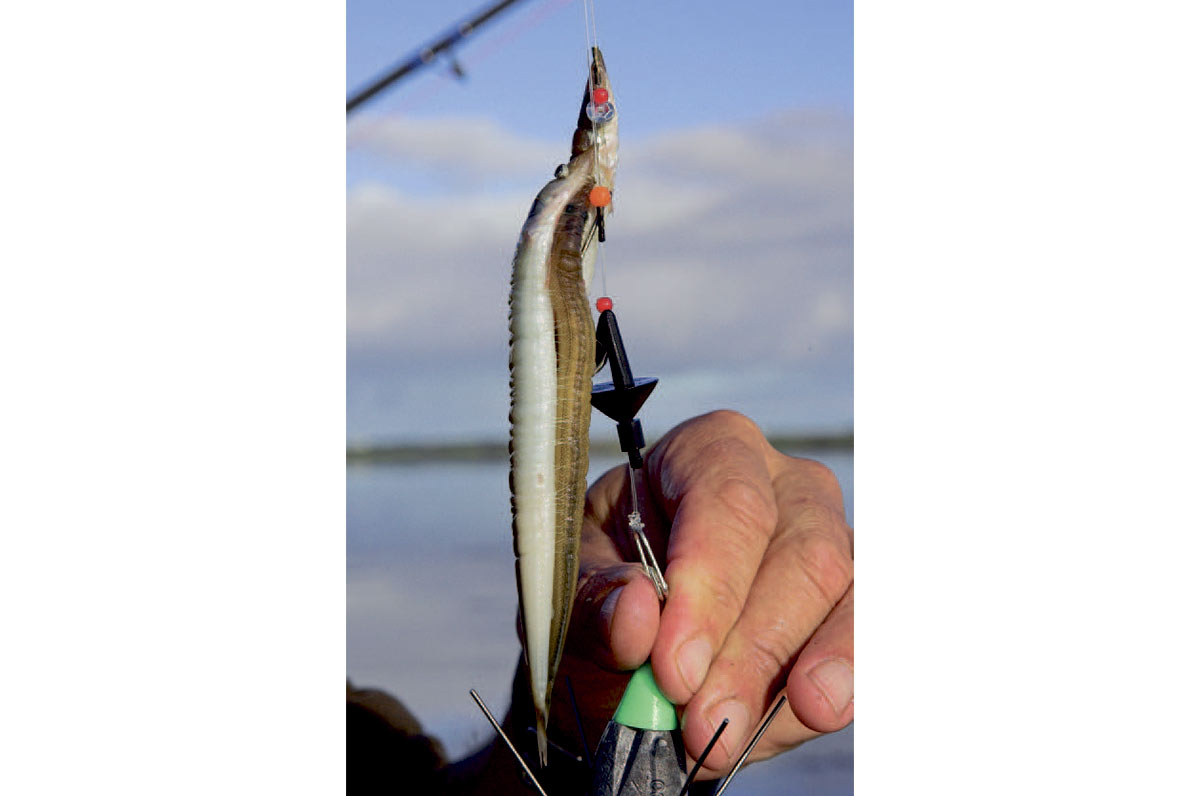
[730, 246]
[475, 147]
[424, 274]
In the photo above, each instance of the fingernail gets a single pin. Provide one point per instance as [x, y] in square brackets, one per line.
[693, 659]
[608, 608]
[739, 724]
[835, 679]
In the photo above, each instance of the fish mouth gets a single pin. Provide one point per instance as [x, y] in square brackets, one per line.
[596, 125]
[599, 77]
[595, 130]
[597, 93]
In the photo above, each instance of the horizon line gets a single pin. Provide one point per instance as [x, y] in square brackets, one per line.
[484, 450]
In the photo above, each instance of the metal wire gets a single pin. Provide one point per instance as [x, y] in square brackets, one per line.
[762, 729]
[513, 749]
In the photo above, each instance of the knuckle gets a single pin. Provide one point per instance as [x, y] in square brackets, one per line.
[720, 424]
[821, 475]
[770, 652]
[824, 562]
[818, 484]
[749, 510]
[733, 420]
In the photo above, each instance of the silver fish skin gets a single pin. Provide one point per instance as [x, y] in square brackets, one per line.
[551, 361]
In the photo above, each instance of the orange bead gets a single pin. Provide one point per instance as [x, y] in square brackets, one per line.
[600, 196]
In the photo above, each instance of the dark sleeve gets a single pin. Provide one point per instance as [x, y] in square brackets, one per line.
[386, 749]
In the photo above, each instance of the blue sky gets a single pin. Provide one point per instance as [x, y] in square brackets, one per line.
[730, 248]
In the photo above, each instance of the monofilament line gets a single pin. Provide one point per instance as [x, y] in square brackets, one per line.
[591, 39]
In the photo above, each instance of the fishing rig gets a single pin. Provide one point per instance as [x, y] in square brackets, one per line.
[620, 400]
[641, 750]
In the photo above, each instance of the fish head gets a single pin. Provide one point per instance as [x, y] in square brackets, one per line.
[594, 145]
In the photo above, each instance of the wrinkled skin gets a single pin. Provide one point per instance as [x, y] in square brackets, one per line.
[759, 560]
[760, 564]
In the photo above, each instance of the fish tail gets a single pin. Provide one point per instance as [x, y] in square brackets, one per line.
[542, 742]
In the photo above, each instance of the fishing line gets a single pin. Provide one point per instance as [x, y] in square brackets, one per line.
[591, 41]
[589, 26]
[594, 108]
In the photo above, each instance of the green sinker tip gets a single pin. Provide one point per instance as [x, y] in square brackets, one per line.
[644, 707]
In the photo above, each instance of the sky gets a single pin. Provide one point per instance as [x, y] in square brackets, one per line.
[729, 256]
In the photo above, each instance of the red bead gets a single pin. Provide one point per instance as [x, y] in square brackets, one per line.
[599, 95]
[604, 303]
[599, 196]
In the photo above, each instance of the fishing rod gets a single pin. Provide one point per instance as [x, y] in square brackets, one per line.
[426, 54]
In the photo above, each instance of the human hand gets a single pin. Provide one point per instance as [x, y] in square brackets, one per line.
[759, 560]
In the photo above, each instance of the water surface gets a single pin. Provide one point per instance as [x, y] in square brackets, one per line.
[431, 606]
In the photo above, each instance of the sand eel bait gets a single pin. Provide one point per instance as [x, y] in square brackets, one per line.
[554, 353]
[551, 361]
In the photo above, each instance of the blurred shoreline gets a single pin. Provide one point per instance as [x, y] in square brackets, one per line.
[497, 450]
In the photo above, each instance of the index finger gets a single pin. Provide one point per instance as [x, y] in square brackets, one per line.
[712, 477]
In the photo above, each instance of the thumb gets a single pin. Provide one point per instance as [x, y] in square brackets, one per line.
[615, 619]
